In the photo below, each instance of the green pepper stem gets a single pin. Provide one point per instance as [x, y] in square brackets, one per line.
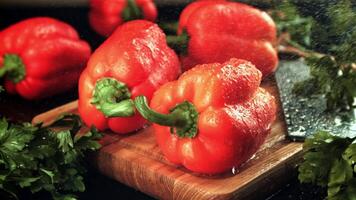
[112, 98]
[169, 27]
[178, 42]
[131, 11]
[182, 119]
[13, 68]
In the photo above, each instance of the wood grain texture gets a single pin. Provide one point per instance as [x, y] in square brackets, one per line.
[136, 160]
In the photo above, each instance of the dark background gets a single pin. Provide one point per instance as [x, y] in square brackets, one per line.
[99, 186]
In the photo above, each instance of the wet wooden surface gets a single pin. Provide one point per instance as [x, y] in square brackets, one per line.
[99, 186]
[136, 161]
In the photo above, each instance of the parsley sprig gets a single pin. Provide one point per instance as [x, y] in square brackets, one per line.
[330, 161]
[333, 79]
[324, 32]
[42, 159]
[289, 21]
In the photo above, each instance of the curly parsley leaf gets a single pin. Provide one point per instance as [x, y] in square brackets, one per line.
[332, 79]
[329, 161]
[289, 20]
[326, 32]
[39, 158]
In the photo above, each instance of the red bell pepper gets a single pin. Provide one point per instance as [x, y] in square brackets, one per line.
[213, 118]
[215, 31]
[41, 57]
[134, 60]
[106, 15]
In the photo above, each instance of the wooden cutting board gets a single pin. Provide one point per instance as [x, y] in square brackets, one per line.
[136, 161]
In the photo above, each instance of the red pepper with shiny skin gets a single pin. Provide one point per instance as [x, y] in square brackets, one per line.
[215, 31]
[134, 60]
[213, 118]
[40, 57]
[106, 15]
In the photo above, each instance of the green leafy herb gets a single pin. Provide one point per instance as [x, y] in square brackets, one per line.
[326, 32]
[331, 78]
[329, 161]
[39, 158]
[289, 21]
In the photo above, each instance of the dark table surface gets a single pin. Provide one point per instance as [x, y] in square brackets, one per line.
[99, 186]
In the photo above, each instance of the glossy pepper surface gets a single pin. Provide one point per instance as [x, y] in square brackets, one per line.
[213, 118]
[40, 57]
[106, 15]
[134, 60]
[215, 31]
